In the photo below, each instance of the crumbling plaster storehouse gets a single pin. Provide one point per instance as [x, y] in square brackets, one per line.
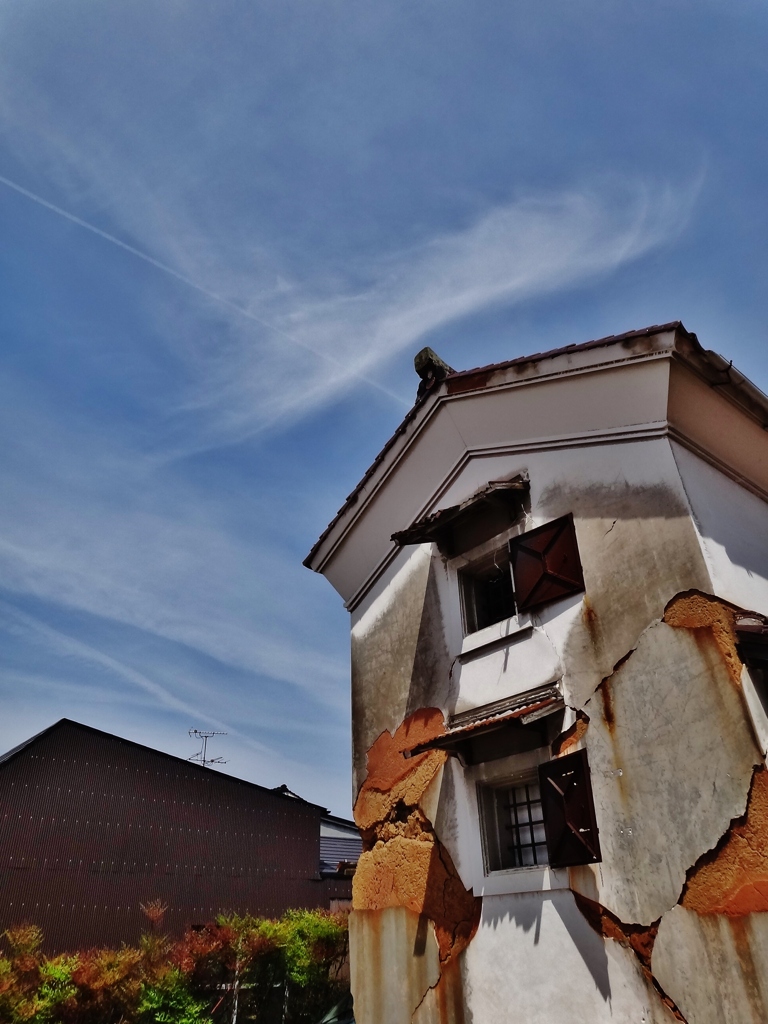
[557, 570]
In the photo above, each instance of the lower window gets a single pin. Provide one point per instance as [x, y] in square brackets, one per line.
[541, 818]
[514, 825]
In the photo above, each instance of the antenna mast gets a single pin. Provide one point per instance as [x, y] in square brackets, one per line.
[201, 757]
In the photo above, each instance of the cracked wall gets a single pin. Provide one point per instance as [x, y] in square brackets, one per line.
[671, 754]
[712, 949]
[699, 932]
[400, 661]
[653, 681]
[405, 868]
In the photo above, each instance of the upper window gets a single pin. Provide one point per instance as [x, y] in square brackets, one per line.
[486, 591]
[534, 569]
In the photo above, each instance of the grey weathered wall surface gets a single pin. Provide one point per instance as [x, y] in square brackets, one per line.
[400, 661]
[716, 965]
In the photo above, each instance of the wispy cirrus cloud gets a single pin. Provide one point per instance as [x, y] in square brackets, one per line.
[512, 253]
[267, 328]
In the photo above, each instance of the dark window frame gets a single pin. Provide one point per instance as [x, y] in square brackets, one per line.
[512, 821]
[480, 606]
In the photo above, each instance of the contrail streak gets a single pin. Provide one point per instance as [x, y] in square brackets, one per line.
[191, 284]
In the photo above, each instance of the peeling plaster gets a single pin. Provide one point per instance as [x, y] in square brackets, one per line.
[394, 964]
[572, 736]
[638, 545]
[694, 610]
[639, 938]
[399, 656]
[536, 959]
[404, 864]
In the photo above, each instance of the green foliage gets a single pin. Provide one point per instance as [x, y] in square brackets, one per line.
[33, 988]
[171, 1002]
[286, 971]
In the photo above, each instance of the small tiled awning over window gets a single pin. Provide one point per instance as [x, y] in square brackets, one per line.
[509, 726]
[490, 511]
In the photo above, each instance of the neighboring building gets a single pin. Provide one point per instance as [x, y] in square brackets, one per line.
[557, 571]
[94, 826]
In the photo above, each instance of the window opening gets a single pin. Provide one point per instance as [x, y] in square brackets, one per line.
[546, 817]
[487, 591]
[526, 843]
[514, 825]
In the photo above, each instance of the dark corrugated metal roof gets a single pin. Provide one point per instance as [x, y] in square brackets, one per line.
[334, 849]
[281, 792]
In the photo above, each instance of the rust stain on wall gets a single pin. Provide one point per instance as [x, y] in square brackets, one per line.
[638, 938]
[694, 610]
[589, 616]
[732, 879]
[609, 714]
[571, 736]
[404, 864]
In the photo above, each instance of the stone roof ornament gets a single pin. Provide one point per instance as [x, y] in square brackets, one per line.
[431, 369]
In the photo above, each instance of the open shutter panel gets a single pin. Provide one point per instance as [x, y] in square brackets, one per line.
[545, 564]
[569, 811]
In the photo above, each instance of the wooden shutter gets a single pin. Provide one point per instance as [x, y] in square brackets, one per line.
[546, 564]
[569, 811]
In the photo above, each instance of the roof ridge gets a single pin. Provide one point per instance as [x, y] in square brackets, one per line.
[11, 754]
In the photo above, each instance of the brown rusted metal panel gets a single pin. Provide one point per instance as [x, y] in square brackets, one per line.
[93, 826]
[569, 811]
[545, 564]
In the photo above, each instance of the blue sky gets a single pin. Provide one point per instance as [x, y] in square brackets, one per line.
[289, 200]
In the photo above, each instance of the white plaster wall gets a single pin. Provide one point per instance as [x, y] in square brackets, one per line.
[457, 823]
[638, 547]
[535, 959]
[714, 967]
[733, 523]
[527, 660]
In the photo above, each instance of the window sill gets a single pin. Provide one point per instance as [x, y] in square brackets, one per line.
[500, 634]
[533, 879]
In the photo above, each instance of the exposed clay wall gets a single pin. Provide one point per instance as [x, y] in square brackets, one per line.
[406, 883]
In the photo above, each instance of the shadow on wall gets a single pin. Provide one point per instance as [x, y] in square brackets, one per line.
[527, 911]
[431, 674]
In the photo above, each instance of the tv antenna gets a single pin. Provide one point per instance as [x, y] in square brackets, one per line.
[201, 757]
